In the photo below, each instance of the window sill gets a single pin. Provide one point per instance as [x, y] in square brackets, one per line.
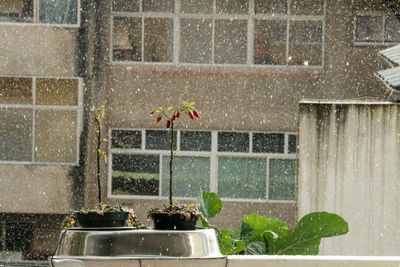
[219, 70]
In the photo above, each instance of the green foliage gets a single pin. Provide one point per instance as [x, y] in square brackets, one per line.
[209, 204]
[259, 235]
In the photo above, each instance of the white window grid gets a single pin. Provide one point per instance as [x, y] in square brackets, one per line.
[78, 108]
[250, 17]
[213, 155]
[36, 19]
[383, 16]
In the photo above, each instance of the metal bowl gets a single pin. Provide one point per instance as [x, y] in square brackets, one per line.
[137, 243]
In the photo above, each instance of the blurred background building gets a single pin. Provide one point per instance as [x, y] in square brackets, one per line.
[246, 63]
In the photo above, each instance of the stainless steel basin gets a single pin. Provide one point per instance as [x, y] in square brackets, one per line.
[137, 247]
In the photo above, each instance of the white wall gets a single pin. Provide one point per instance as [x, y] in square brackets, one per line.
[348, 163]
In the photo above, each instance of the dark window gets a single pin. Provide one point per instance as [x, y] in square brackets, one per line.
[135, 174]
[195, 141]
[292, 145]
[126, 139]
[159, 140]
[268, 143]
[18, 237]
[233, 142]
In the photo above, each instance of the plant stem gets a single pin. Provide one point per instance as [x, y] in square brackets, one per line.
[98, 133]
[170, 163]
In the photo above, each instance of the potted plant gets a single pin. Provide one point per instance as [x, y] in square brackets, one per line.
[175, 216]
[102, 215]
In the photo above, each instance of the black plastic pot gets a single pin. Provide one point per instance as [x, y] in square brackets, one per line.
[108, 219]
[164, 221]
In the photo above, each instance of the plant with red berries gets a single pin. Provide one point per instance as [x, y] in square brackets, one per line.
[171, 114]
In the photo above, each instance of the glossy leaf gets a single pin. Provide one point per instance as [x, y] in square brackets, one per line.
[228, 244]
[305, 237]
[259, 225]
[209, 204]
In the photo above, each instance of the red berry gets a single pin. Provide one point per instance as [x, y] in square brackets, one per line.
[151, 113]
[191, 115]
[168, 123]
[178, 114]
[173, 117]
[196, 114]
[158, 118]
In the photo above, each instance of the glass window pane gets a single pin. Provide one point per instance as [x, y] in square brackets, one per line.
[57, 92]
[126, 139]
[369, 29]
[392, 29]
[55, 136]
[242, 178]
[158, 6]
[232, 7]
[159, 140]
[135, 174]
[158, 43]
[191, 175]
[127, 39]
[197, 6]
[15, 90]
[196, 35]
[233, 142]
[305, 43]
[270, 42]
[292, 146]
[58, 11]
[268, 143]
[16, 11]
[125, 6]
[195, 141]
[230, 41]
[15, 134]
[271, 6]
[307, 7]
[282, 174]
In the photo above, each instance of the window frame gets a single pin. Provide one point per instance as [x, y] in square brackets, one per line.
[33, 106]
[36, 19]
[250, 17]
[213, 154]
[383, 42]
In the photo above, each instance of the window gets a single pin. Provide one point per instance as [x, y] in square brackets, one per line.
[60, 12]
[39, 119]
[250, 166]
[218, 32]
[15, 240]
[376, 29]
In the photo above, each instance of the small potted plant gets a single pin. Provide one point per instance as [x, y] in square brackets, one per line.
[175, 216]
[102, 215]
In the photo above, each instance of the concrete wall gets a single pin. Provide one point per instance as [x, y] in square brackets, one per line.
[348, 163]
[37, 50]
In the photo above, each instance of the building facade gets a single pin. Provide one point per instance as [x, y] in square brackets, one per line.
[246, 63]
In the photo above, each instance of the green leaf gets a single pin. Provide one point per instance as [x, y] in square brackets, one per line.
[255, 248]
[305, 237]
[209, 204]
[259, 224]
[228, 244]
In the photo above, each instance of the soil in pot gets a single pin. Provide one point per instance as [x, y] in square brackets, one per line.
[163, 221]
[107, 219]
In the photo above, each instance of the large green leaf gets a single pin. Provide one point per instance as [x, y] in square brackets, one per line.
[254, 226]
[209, 204]
[306, 236]
[228, 244]
[255, 248]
